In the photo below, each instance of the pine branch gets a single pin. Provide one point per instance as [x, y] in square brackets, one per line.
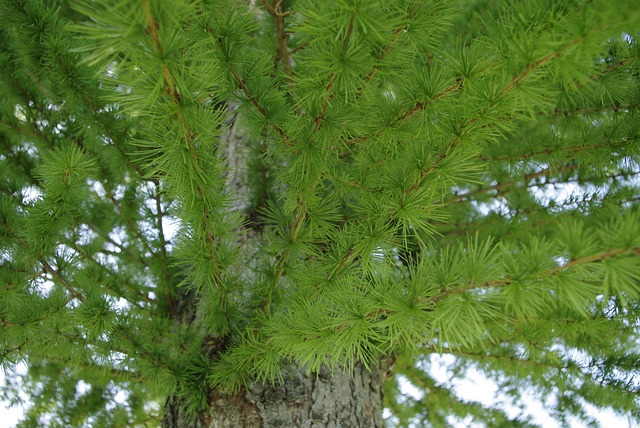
[19, 130]
[389, 47]
[84, 95]
[532, 67]
[584, 111]
[129, 222]
[591, 259]
[95, 111]
[56, 275]
[9, 351]
[240, 83]
[265, 304]
[466, 126]
[419, 106]
[111, 241]
[276, 11]
[116, 291]
[10, 153]
[152, 29]
[541, 275]
[328, 89]
[573, 150]
[603, 73]
[28, 277]
[505, 187]
[499, 188]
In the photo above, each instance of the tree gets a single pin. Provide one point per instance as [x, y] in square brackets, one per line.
[275, 213]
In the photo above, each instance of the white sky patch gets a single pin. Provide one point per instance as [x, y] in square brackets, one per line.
[109, 261]
[66, 253]
[475, 386]
[19, 113]
[117, 358]
[497, 206]
[121, 305]
[85, 235]
[30, 194]
[111, 70]
[409, 389]
[98, 188]
[562, 194]
[119, 191]
[10, 416]
[170, 226]
[117, 235]
[151, 406]
[82, 388]
[28, 148]
[121, 397]
[44, 286]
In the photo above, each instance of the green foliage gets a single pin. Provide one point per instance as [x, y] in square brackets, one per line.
[195, 195]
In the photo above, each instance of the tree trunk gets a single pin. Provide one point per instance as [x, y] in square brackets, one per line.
[320, 400]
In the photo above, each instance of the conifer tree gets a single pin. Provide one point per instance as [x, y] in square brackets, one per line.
[276, 213]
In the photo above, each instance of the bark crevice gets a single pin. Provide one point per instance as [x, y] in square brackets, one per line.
[322, 400]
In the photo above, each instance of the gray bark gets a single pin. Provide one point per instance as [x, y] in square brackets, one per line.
[323, 400]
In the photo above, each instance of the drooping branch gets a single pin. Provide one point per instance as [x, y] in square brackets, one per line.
[190, 135]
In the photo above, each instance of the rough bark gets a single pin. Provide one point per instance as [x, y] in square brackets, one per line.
[323, 400]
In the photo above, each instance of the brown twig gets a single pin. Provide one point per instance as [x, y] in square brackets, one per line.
[281, 33]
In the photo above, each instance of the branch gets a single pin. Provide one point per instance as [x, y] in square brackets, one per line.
[9, 285]
[265, 304]
[116, 291]
[320, 117]
[591, 259]
[507, 186]
[245, 90]
[574, 149]
[56, 274]
[419, 106]
[240, 82]
[281, 33]
[152, 29]
[129, 222]
[525, 179]
[14, 349]
[395, 36]
[547, 273]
